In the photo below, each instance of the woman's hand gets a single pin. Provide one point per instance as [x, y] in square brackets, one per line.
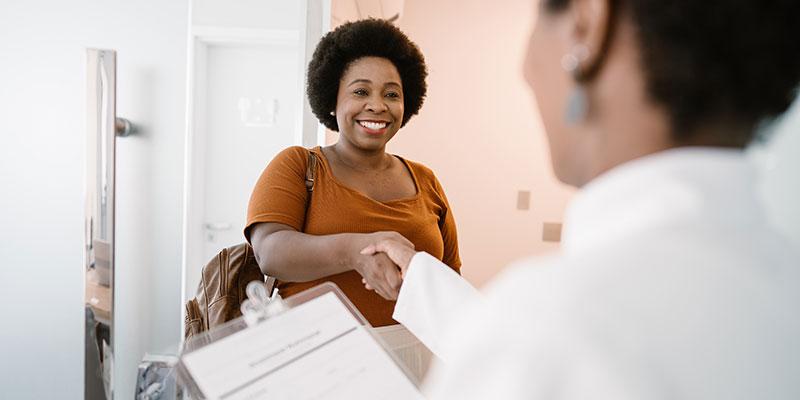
[398, 248]
[379, 272]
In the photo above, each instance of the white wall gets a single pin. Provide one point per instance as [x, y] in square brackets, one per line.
[248, 14]
[42, 141]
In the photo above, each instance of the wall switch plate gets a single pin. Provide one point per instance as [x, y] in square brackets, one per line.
[523, 200]
[551, 232]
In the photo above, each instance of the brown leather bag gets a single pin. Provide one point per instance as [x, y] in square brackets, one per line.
[222, 289]
[224, 280]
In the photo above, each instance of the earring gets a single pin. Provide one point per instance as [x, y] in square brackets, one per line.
[572, 60]
[577, 104]
[333, 113]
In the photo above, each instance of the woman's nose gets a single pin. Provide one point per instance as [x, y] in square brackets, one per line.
[377, 105]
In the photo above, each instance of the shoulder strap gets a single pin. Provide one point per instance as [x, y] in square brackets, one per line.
[311, 171]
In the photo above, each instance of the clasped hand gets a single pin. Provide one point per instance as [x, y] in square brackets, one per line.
[383, 261]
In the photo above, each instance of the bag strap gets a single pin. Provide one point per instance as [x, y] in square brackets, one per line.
[311, 172]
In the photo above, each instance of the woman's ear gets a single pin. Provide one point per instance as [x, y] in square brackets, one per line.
[591, 34]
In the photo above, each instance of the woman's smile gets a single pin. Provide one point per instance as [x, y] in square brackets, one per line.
[373, 127]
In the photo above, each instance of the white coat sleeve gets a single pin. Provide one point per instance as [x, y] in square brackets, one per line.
[431, 294]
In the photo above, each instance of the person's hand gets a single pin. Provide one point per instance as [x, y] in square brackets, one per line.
[380, 274]
[399, 250]
[378, 271]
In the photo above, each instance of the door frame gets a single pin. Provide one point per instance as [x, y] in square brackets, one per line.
[315, 17]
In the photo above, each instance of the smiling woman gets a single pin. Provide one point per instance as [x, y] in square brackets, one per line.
[366, 80]
[369, 104]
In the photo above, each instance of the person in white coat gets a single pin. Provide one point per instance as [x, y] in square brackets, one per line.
[669, 283]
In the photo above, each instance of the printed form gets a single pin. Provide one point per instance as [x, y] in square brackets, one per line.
[316, 350]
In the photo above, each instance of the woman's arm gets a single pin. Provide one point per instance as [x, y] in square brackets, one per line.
[292, 256]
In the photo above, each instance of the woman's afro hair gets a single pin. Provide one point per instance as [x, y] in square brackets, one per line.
[354, 40]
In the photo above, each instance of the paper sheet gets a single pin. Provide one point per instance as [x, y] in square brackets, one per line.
[317, 350]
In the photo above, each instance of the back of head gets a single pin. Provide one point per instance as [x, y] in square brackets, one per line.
[715, 63]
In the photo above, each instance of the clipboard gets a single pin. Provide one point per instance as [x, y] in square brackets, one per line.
[313, 345]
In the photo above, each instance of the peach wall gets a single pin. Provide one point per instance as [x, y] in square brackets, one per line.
[479, 130]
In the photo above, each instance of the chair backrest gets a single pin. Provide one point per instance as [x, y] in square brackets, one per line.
[222, 289]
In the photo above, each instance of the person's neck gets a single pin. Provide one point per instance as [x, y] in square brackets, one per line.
[359, 159]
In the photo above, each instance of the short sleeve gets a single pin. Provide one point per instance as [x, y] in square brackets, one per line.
[280, 193]
[447, 225]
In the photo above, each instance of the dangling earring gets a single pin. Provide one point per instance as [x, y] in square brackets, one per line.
[575, 110]
[577, 103]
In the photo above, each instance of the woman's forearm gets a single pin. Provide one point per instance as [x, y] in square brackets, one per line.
[293, 256]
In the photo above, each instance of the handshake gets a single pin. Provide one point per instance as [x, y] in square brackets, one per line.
[382, 261]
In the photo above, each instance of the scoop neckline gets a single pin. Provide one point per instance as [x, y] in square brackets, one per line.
[358, 192]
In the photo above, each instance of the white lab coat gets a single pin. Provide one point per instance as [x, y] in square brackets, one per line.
[669, 285]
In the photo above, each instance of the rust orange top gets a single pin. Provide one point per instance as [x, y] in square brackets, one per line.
[425, 219]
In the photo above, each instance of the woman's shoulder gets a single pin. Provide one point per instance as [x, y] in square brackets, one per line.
[294, 156]
[291, 160]
[293, 152]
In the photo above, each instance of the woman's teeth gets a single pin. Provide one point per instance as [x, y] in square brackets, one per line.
[373, 125]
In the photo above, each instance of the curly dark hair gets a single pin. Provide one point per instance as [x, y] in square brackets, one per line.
[354, 40]
[716, 62]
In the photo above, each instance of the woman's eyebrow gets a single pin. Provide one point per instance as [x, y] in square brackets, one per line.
[367, 81]
[360, 80]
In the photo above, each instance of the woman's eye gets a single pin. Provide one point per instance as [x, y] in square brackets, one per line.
[360, 92]
[393, 95]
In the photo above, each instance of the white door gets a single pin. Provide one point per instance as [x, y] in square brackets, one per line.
[246, 96]
[251, 112]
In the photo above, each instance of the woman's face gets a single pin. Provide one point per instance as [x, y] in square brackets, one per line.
[551, 84]
[369, 105]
